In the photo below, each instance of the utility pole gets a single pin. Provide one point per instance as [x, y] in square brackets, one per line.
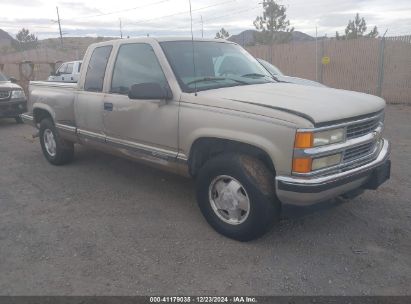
[58, 20]
[202, 27]
[121, 30]
[316, 53]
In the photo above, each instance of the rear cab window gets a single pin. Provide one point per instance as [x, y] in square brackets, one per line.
[96, 69]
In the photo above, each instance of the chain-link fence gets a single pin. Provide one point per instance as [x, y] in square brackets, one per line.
[375, 66]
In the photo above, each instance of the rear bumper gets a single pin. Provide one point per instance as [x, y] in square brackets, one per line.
[13, 108]
[307, 191]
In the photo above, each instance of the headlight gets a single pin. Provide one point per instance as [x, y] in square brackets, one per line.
[326, 161]
[307, 165]
[17, 94]
[311, 139]
[328, 137]
[316, 139]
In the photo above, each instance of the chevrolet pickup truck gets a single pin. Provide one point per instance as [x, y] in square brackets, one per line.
[208, 110]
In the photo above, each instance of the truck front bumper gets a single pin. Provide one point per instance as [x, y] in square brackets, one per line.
[13, 108]
[307, 191]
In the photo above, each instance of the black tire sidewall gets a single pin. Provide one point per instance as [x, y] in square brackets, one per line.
[264, 207]
[63, 153]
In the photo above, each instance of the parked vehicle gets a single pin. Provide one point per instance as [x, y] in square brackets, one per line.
[251, 143]
[12, 99]
[275, 72]
[67, 72]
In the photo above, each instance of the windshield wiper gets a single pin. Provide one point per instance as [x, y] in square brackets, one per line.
[254, 75]
[261, 76]
[216, 79]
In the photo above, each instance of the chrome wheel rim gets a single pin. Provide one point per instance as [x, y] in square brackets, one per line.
[49, 142]
[229, 200]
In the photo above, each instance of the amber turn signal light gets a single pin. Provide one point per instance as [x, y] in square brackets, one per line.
[304, 139]
[302, 165]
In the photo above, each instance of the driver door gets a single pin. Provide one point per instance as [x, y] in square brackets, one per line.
[144, 126]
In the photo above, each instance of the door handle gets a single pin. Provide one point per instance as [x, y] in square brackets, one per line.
[108, 106]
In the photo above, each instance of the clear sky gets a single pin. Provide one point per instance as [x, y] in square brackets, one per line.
[171, 17]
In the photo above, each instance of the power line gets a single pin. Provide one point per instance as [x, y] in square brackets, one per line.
[121, 11]
[184, 12]
[238, 12]
[232, 14]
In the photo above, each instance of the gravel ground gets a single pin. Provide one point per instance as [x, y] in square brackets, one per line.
[107, 226]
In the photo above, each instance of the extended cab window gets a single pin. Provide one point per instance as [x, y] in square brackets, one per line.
[136, 63]
[97, 68]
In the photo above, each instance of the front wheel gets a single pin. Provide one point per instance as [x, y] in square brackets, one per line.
[237, 197]
[56, 150]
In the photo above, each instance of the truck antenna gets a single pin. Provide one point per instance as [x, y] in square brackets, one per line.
[192, 45]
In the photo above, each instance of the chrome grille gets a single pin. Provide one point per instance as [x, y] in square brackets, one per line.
[4, 95]
[358, 152]
[362, 128]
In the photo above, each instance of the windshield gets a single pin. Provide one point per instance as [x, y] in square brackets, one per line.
[217, 65]
[2, 77]
[271, 68]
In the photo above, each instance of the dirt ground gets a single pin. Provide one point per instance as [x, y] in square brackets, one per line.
[107, 226]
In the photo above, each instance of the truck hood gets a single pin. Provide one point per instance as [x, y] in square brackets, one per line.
[317, 104]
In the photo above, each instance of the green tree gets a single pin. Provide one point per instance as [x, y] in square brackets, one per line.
[25, 40]
[356, 28]
[222, 34]
[273, 20]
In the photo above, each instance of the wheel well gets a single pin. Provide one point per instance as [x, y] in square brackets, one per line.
[204, 149]
[40, 114]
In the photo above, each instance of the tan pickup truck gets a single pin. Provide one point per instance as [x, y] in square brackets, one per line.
[208, 109]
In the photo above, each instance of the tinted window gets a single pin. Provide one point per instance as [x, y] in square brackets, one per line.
[97, 68]
[69, 69]
[136, 63]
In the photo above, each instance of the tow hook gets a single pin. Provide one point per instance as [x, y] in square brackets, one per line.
[37, 134]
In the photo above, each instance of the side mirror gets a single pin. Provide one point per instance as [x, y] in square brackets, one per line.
[149, 90]
[13, 80]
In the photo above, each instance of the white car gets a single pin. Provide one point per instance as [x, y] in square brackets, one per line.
[277, 74]
[67, 72]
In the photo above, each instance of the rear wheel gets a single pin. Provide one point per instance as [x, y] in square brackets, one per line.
[236, 196]
[56, 150]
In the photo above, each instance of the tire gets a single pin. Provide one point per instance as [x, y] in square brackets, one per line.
[62, 151]
[18, 120]
[217, 184]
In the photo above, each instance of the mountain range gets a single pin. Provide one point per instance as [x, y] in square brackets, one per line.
[244, 38]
